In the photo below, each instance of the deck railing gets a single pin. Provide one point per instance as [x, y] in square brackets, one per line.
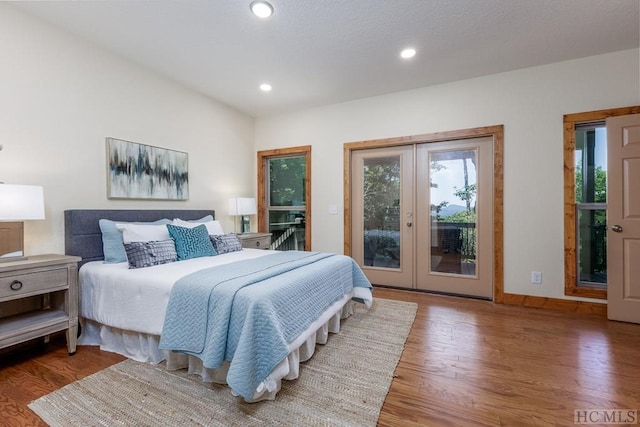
[592, 249]
[284, 240]
[291, 238]
[456, 237]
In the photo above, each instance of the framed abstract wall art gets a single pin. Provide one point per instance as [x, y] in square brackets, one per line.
[138, 171]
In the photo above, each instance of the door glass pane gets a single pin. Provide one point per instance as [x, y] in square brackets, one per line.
[287, 181]
[452, 192]
[591, 165]
[287, 202]
[381, 212]
[287, 230]
[591, 199]
[592, 246]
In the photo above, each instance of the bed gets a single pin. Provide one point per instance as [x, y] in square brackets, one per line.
[263, 311]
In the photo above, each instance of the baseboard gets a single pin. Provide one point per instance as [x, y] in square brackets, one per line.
[555, 304]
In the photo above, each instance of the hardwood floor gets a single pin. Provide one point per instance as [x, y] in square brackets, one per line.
[36, 370]
[476, 363]
[466, 362]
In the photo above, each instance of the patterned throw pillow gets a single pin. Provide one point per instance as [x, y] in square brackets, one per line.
[191, 242]
[226, 243]
[146, 254]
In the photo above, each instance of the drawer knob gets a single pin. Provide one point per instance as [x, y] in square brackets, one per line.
[16, 285]
[257, 243]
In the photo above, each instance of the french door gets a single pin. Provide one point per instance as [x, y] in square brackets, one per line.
[383, 214]
[422, 216]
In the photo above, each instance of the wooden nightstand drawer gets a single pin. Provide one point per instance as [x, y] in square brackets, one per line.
[23, 285]
[255, 240]
[39, 296]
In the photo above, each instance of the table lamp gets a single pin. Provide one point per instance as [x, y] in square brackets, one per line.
[243, 206]
[17, 203]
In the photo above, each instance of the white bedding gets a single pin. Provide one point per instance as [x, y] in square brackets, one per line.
[123, 309]
[136, 299]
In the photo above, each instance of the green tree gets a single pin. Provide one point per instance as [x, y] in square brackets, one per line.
[381, 188]
[592, 223]
[287, 181]
[468, 195]
[599, 186]
[599, 192]
[461, 216]
[437, 208]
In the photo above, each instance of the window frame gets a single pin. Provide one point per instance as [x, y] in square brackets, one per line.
[263, 187]
[572, 287]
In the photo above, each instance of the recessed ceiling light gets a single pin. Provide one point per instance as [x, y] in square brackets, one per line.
[265, 87]
[261, 9]
[408, 53]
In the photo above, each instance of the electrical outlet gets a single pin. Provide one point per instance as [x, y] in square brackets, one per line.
[536, 277]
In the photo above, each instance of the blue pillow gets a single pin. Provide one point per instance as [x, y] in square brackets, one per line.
[112, 244]
[191, 242]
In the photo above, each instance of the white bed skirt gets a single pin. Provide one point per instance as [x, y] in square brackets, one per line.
[144, 348]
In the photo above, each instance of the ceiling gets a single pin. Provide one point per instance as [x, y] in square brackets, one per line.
[329, 51]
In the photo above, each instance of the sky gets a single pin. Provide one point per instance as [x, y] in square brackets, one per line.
[449, 180]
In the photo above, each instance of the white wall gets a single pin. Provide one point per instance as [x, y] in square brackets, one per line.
[60, 97]
[530, 103]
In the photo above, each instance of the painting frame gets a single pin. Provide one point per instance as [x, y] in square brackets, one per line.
[145, 172]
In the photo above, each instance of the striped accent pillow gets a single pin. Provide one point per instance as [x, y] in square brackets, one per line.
[146, 254]
[226, 243]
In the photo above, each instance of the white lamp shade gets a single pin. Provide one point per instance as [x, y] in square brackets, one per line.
[242, 206]
[21, 202]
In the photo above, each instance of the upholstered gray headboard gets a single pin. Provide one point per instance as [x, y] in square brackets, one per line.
[82, 235]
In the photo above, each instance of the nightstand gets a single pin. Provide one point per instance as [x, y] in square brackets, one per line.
[39, 296]
[255, 240]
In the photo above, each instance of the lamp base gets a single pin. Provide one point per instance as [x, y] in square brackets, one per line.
[246, 224]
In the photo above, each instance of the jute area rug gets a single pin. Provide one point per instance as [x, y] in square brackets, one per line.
[344, 384]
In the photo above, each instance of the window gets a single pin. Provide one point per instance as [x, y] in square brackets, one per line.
[585, 198]
[591, 204]
[284, 197]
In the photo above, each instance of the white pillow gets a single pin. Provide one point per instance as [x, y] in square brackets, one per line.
[143, 233]
[213, 227]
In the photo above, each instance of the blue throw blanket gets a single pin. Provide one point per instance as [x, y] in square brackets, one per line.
[247, 312]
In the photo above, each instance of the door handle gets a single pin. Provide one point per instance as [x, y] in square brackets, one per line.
[616, 228]
[409, 224]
